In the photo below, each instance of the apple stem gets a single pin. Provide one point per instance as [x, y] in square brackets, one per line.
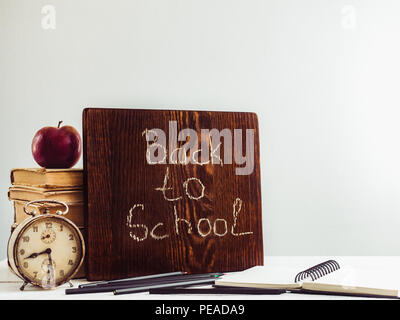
[59, 122]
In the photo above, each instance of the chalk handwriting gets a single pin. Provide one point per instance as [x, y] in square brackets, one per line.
[185, 184]
[130, 225]
[237, 206]
[177, 220]
[154, 236]
[184, 148]
[204, 227]
[164, 188]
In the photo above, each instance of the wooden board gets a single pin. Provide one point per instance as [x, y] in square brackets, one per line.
[149, 212]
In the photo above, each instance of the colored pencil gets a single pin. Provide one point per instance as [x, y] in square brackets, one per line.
[215, 290]
[142, 283]
[152, 276]
[164, 285]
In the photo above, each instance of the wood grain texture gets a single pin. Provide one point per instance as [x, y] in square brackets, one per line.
[119, 180]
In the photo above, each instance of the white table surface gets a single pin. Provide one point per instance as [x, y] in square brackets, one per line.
[388, 269]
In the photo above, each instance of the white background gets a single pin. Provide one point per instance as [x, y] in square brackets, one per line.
[322, 75]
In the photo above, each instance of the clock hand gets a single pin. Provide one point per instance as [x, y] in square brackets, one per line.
[34, 255]
[48, 251]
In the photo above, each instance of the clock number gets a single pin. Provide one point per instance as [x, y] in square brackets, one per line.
[35, 228]
[22, 252]
[71, 237]
[61, 227]
[35, 273]
[61, 273]
[70, 262]
[25, 264]
[48, 225]
[25, 239]
[73, 249]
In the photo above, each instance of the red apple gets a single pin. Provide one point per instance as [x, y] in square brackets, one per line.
[57, 148]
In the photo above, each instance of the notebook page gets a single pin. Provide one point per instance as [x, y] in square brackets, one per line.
[379, 274]
[262, 277]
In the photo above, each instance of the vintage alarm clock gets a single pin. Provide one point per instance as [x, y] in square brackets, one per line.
[46, 250]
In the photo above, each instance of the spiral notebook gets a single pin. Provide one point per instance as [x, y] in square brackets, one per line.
[324, 278]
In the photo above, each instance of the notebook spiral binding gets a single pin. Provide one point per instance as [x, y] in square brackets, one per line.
[318, 270]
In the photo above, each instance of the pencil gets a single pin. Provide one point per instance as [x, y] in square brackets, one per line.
[152, 276]
[142, 283]
[164, 285]
[215, 290]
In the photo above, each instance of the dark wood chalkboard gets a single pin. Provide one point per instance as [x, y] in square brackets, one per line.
[155, 207]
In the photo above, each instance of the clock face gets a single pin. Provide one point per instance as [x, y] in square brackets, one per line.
[48, 251]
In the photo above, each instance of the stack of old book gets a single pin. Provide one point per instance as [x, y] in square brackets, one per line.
[64, 185]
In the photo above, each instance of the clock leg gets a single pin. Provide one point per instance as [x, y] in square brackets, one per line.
[70, 284]
[23, 286]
